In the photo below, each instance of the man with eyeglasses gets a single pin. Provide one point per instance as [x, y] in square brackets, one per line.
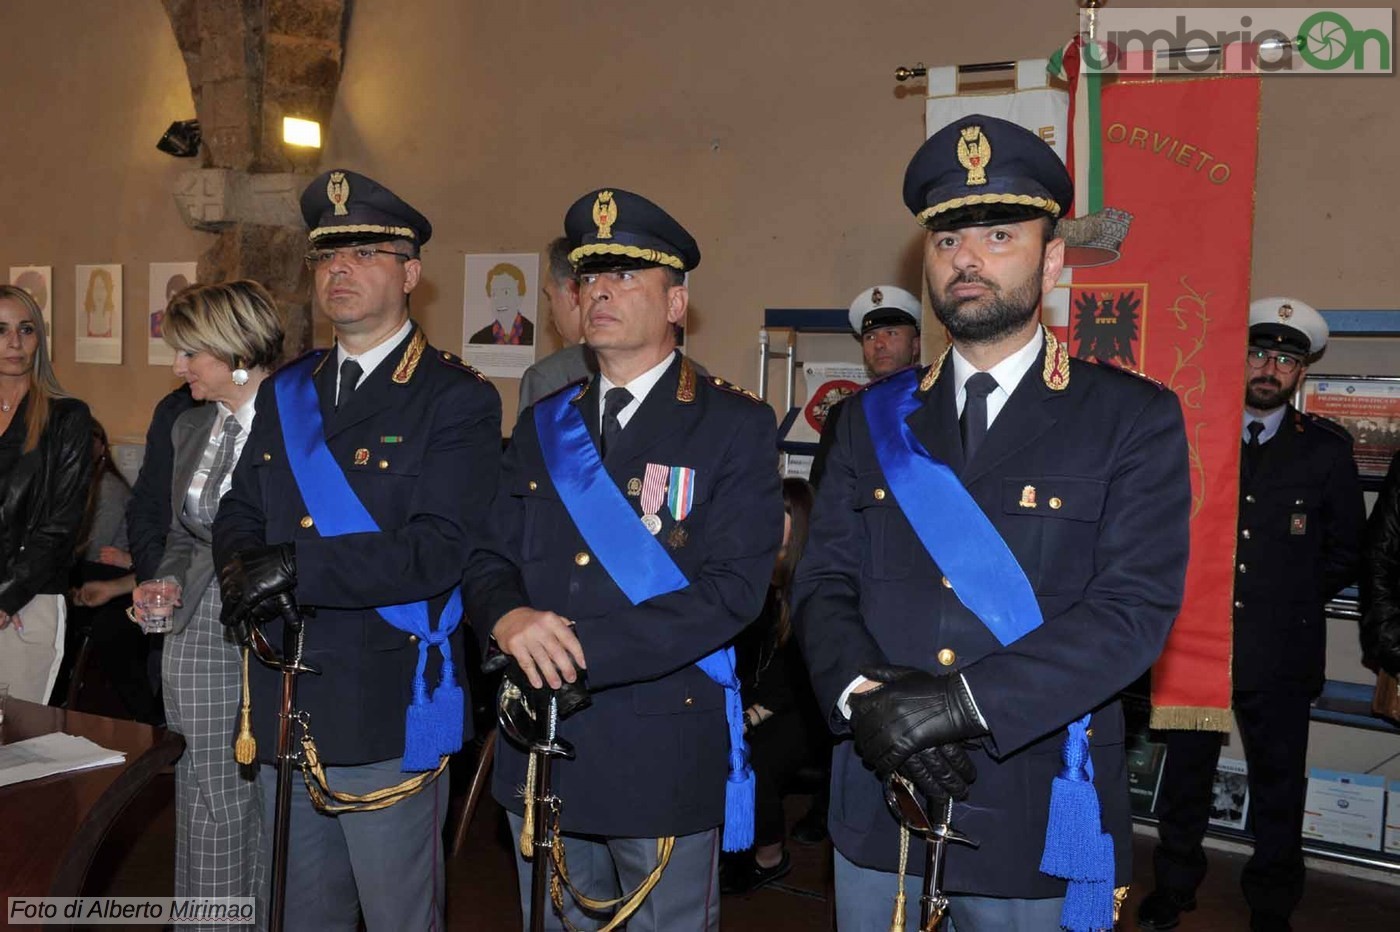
[365, 484]
[1300, 522]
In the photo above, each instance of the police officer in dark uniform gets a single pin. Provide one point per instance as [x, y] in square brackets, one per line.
[1300, 525]
[414, 435]
[637, 519]
[998, 547]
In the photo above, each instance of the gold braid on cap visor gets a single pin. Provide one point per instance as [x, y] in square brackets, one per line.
[405, 232]
[631, 252]
[1024, 200]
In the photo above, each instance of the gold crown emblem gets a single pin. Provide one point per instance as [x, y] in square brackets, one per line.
[877, 296]
[974, 153]
[338, 190]
[605, 214]
[1285, 311]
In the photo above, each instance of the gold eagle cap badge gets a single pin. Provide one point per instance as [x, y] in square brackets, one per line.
[605, 214]
[1285, 311]
[974, 153]
[877, 296]
[338, 190]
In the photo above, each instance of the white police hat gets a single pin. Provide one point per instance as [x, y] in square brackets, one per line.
[884, 306]
[1287, 325]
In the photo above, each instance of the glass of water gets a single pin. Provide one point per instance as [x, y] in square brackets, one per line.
[155, 602]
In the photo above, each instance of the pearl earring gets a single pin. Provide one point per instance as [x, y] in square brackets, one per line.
[240, 376]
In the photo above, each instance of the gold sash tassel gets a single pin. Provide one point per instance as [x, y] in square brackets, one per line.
[245, 746]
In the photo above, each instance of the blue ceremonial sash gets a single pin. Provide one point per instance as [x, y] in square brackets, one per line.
[643, 570]
[986, 578]
[434, 725]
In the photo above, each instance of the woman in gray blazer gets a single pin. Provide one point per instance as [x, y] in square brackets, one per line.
[227, 340]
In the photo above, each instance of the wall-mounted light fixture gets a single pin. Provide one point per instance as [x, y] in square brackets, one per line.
[181, 139]
[298, 132]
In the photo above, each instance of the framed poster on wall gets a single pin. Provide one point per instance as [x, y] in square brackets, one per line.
[1368, 406]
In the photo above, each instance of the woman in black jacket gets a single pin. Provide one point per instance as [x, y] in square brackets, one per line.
[1380, 580]
[45, 464]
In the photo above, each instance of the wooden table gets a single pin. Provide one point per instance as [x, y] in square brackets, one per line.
[52, 828]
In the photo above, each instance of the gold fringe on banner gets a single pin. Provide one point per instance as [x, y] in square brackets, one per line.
[1192, 718]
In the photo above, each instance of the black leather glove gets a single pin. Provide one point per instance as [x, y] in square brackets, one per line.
[942, 771]
[250, 581]
[912, 711]
[572, 696]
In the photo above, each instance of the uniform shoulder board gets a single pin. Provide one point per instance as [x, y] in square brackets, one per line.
[1142, 375]
[455, 362]
[733, 389]
[1331, 426]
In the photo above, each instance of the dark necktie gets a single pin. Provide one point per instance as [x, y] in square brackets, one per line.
[1253, 449]
[223, 464]
[350, 372]
[973, 423]
[613, 403]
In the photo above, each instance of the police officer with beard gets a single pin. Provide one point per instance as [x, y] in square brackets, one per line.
[1300, 524]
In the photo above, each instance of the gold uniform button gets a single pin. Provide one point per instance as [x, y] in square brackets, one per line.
[879, 495]
[446, 355]
[946, 584]
[306, 521]
[1055, 504]
[267, 457]
[1245, 533]
[1088, 732]
[383, 464]
[690, 700]
[947, 657]
[534, 485]
[413, 639]
[582, 559]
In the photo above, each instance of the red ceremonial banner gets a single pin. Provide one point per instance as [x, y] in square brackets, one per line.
[1179, 157]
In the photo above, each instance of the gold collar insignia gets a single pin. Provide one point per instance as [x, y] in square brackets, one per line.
[685, 386]
[933, 371]
[1056, 372]
[411, 357]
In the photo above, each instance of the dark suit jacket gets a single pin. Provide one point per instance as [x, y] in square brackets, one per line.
[1302, 516]
[420, 443]
[1104, 549]
[653, 747]
[148, 510]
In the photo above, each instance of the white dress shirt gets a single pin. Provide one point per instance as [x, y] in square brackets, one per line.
[640, 387]
[370, 358]
[244, 416]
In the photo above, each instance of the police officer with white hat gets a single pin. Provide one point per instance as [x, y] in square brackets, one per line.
[886, 320]
[1298, 544]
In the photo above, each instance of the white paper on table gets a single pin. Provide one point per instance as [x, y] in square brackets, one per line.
[50, 754]
[1392, 819]
[1344, 808]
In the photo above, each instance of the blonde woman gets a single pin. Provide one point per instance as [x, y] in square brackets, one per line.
[227, 339]
[45, 464]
